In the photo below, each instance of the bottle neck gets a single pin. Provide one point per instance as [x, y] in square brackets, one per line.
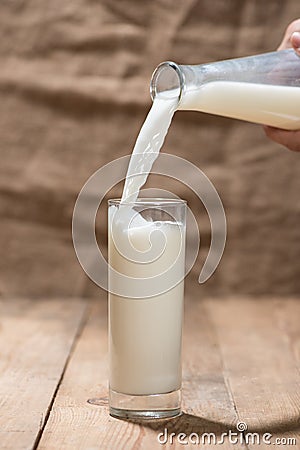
[167, 81]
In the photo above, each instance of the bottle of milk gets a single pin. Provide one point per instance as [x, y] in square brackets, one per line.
[262, 88]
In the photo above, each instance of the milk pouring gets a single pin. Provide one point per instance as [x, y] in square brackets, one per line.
[145, 329]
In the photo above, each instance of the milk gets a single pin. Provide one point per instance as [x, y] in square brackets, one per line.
[145, 333]
[148, 145]
[277, 106]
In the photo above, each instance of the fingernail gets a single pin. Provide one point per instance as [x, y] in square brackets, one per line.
[296, 34]
[295, 39]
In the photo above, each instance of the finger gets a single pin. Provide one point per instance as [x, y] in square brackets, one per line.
[286, 41]
[290, 139]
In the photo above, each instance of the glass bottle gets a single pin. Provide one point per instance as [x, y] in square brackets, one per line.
[263, 88]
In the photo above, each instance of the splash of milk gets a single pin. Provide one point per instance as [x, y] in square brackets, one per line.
[148, 144]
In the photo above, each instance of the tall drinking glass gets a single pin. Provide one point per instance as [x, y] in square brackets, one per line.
[146, 255]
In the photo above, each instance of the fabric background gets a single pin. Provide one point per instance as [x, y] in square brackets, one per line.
[74, 85]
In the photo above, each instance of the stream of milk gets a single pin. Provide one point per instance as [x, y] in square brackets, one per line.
[148, 144]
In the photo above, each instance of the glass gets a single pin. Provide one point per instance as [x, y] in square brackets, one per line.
[146, 255]
[261, 88]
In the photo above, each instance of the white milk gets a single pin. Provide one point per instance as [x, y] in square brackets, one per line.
[148, 144]
[277, 106]
[145, 333]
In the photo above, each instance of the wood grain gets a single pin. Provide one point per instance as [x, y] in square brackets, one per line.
[259, 340]
[73, 422]
[241, 362]
[36, 338]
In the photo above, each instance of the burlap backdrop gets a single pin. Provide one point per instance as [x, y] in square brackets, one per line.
[74, 83]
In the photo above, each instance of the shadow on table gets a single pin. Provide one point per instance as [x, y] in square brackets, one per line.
[188, 423]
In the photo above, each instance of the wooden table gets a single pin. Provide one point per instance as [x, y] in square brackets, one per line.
[241, 360]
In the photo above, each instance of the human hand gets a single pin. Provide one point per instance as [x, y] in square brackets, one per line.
[290, 139]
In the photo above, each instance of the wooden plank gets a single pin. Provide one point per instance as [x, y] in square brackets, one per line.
[76, 424]
[36, 337]
[288, 318]
[73, 422]
[260, 366]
